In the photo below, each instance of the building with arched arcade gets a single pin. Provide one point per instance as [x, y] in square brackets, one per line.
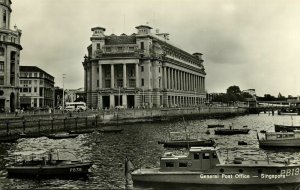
[141, 70]
[9, 60]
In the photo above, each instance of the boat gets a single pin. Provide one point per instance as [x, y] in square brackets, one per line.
[9, 138]
[186, 142]
[280, 139]
[47, 164]
[289, 111]
[81, 131]
[288, 128]
[204, 166]
[33, 135]
[215, 126]
[232, 131]
[62, 135]
[110, 129]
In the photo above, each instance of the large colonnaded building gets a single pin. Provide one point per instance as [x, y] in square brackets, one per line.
[36, 88]
[141, 70]
[9, 60]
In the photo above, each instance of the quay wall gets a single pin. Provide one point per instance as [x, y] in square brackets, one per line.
[46, 123]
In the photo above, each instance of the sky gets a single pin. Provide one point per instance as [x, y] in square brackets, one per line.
[254, 44]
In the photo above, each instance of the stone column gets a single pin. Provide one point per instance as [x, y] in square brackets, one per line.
[169, 78]
[124, 76]
[112, 76]
[184, 82]
[112, 101]
[165, 77]
[175, 80]
[124, 100]
[137, 78]
[100, 76]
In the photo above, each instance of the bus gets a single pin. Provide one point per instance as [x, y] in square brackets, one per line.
[75, 106]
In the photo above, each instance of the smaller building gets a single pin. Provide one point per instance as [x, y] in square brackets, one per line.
[36, 88]
[250, 91]
[75, 95]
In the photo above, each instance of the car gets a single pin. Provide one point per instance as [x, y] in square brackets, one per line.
[119, 107]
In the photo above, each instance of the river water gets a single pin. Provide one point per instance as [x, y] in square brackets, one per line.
[139, 143]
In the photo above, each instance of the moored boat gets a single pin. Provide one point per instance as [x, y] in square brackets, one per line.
[289, 111]
[62, 135]
[81, 131]
[215, 126]
[280, 139]
[204, 166]
[232, 131]
[288, 128]
[41, 165]
[110, 130]
[9, 138]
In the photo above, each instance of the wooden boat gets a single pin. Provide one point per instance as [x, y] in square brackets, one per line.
[62, 136]
[186, 142]
[215, 126]
[111, 129]
[81, 131]
[232, 131]
[41, 165]
[242, 143]
[34, 135]
[9, 138]
[280, 139]
[204, 166]
[288, 128]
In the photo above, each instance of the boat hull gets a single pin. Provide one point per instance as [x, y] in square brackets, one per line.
[70, 170]
[215, 126]
[280, 143]
[62, 136]
[238, 175]
[186, 144]
[9, 138]
[232, 132]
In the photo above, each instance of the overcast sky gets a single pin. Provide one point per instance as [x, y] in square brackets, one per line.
[249, 43]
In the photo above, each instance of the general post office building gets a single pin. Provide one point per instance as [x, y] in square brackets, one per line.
[141, 70]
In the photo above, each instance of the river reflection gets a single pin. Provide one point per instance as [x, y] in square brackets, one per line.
[139, 143]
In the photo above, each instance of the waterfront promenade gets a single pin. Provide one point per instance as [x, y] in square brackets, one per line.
[43, 122]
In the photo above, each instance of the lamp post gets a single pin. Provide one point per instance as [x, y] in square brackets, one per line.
[63, 102]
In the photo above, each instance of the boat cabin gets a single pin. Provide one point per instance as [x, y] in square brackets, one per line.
[282, 135]
[199, 158]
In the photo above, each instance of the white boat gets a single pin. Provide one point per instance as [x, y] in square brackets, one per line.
[203, 166]
[280, 139]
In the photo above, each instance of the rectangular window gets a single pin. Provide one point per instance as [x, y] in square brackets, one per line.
[97, 83]
[35, 81]
[131, 48]
[206, 155]
[196, 156]
[143, 82]
[35, 89]
[169, 164]
[142, 45]
[132, 83]
[1, 65]
[107, 83]
[120, 49]
[108, 49]
[35, 74]
[1, 51]
[1, 80]
[120, 83]
[159, 69]
[25, 89]
[142, 68]
[159, 82]
[98, 46]
[97, 69]
[41, 82]
[182, 164]
[29, 89]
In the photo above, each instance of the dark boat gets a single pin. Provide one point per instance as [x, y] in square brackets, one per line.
[34, 135]
[215, 126]
[242, 143]
[186, 142]
[42, 165]
[9, 138]
[231, 131]
[288, 128]
[62, 136]
[110, 130]
[289, 111]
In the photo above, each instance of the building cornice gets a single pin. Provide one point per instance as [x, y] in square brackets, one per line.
[12, 44]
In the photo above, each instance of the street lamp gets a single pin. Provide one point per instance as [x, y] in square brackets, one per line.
[63, 103]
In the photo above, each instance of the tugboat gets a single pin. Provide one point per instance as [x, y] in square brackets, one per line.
[203, 166]
[280, 139]
[232, 131]
[185, 143]
[42, 165]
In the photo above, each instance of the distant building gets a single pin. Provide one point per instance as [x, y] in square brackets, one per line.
[75, 95]
[36, 87]
[211, 96]
[9, 60]
[250, 91]
[58, 96]
[141, 70]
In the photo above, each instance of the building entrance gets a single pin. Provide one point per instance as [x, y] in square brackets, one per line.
[105, 102]
[130, 101]
[118, 100]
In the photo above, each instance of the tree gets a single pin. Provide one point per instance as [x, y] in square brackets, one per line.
[233, 90]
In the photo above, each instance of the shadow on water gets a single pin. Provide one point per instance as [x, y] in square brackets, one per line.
[160, 186]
